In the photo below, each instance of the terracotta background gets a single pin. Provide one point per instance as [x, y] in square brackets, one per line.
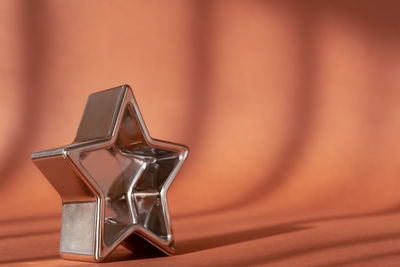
[291, 111]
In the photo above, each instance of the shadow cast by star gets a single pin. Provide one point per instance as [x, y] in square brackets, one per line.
[203, 243]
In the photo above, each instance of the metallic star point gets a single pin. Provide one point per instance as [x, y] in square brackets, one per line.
[113, 180]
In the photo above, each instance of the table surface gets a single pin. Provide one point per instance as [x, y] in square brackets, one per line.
[231, 238]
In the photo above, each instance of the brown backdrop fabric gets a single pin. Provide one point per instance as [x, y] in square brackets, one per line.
[291, 110]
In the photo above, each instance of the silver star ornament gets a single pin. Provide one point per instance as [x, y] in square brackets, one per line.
[113, 180]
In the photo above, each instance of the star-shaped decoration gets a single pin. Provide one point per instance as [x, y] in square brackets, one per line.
[113, 180]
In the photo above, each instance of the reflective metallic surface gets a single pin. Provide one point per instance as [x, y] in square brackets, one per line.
[113, 180]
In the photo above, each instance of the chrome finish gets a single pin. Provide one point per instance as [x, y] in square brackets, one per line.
[113, 180]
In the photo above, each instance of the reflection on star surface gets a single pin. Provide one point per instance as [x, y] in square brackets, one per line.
[131, 174]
